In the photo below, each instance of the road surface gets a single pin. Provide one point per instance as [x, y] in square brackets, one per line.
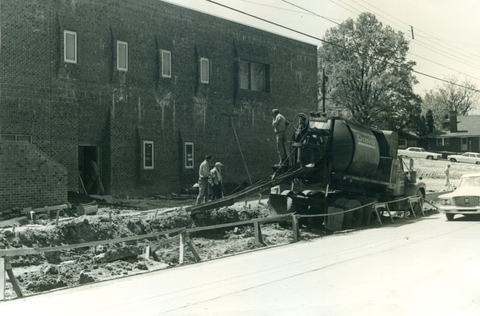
[426, 266]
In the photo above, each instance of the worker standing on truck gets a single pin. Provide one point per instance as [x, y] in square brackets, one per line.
[216, 181]
[447, 177]
[280, 125]
[203, 176]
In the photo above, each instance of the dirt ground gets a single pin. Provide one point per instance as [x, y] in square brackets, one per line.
[130, 217]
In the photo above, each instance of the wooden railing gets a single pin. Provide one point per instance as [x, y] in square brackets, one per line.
[182, 237]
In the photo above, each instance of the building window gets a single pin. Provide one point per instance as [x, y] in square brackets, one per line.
[166, 63]
[442, 142]
[17, 138]
[189, 155]
[252, 76]
[122, 56]
[70, 47]
[204, 70]
[147, 154]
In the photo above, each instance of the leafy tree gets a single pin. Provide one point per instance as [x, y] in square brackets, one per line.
[368, 74]
[460, 97]
[429, 122]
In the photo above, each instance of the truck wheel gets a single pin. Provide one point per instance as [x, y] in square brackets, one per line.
[450, 216]
[453, 160]
[354, 218]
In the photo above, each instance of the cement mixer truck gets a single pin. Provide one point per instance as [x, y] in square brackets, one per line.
[336, 165]
[344, 165]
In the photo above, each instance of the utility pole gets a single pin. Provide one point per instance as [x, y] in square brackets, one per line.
[323, 91]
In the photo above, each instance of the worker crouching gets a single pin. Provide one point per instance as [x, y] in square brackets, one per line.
[216, 181]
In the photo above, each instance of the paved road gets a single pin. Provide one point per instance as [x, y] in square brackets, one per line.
[423, 267]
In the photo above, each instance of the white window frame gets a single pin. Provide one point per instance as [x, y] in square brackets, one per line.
[189, 161]
[204, 70]
[144, 156]
[164, 63]
[65, 46]
[120, 44]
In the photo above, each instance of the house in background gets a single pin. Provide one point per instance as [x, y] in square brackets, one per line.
[460, 134]
[142, 88]
[409, 139]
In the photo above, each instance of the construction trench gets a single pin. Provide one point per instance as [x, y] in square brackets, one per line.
[127, 219]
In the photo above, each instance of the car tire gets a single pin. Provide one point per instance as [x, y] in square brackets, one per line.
[477, 162]
[453, 160]
[430, 157]
[450, 216]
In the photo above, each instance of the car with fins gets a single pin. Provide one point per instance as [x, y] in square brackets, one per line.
[464, 200]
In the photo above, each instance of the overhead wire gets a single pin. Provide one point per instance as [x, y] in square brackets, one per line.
[324, 41]
[419, 30]
[451, 51]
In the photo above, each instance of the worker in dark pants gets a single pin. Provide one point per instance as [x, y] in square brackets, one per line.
[280, 124]
[203, 176]
[216, 181]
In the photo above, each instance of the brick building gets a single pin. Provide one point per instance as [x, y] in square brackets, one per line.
[145, 89]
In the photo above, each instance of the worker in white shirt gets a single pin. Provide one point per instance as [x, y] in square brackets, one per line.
[203, 176]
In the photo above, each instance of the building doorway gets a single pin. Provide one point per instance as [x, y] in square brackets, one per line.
[89, 168]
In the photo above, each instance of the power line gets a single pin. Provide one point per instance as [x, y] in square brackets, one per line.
[312, 13]
[443, 66]
[326, 42]
[267, 21]
[437, 40]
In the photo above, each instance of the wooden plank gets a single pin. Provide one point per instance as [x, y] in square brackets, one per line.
[192, 248]
[32, 251]
[154, 246]
[11, 276]
[47, 209]
[242, 223]
[258, 234]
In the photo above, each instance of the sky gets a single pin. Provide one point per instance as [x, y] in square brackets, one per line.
[446, 33]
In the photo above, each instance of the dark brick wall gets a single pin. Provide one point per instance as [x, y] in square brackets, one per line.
[65, 105]
[29, 178]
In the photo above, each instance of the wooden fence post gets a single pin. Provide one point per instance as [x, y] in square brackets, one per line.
[16, 287]
[295, 228]
[192, 249]
[181, 256]
[58, 215]
[3, 279]
[258, 234]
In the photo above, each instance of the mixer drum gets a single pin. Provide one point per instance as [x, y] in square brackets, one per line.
[355, 150]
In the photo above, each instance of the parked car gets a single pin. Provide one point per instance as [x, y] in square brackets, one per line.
[464, 200]
[418, 152]
[467, 157]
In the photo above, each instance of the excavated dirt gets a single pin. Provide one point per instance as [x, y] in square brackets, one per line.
[130, 216]
[123, 218]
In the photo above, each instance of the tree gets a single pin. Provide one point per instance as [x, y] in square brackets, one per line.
[368, 74]
[452, 95]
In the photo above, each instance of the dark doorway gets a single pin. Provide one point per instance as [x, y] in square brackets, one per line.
[89, 168]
